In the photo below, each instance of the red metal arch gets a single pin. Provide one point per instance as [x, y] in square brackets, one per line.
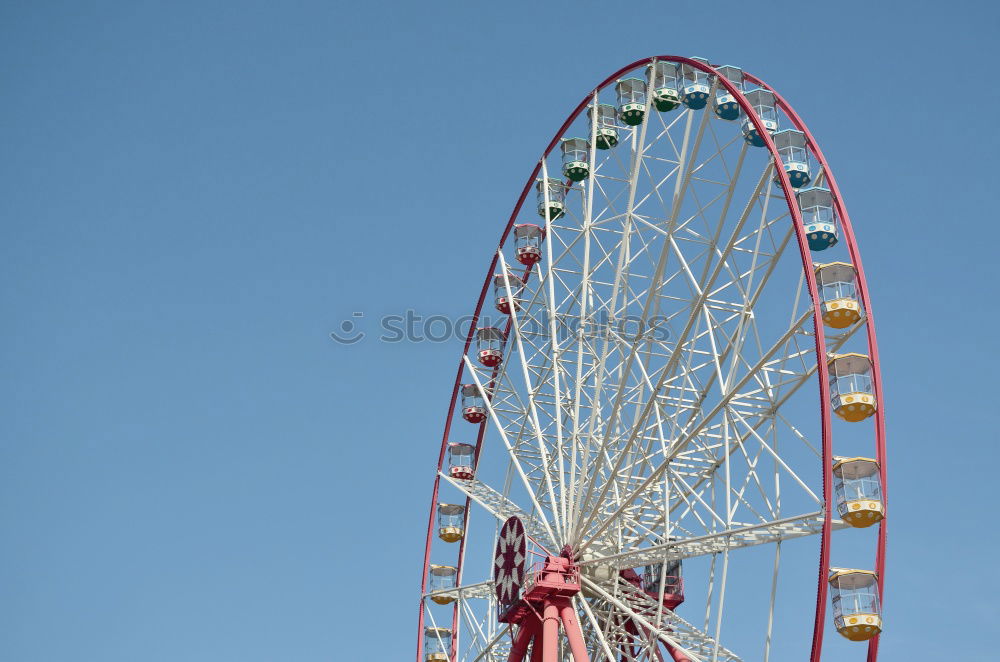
[819, 336]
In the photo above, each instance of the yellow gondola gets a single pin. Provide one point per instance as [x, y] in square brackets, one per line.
[451, 520]
[851, 391]
[859, 491]
[837, 282]
[856, 611]
[442, 578]
[437, 644]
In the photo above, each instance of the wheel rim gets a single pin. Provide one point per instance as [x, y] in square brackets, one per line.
[575, 510]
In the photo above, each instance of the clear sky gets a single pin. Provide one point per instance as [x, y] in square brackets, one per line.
[193, 195]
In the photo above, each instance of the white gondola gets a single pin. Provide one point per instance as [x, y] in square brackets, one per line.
[606, 131]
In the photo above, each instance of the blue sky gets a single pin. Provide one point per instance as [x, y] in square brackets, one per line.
[193, 195]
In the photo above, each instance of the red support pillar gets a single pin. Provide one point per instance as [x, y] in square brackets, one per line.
[521, 640]
[573, 632]
[547, 603]
[550, 633]
[536, 647]
[676, 654]
[656, 644]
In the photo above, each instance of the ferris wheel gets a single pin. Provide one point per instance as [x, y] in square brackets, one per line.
[633, 465]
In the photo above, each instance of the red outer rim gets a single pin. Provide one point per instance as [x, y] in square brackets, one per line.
[819, 336]
[852, 246]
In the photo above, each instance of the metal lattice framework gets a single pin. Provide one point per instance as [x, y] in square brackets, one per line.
[657, 395]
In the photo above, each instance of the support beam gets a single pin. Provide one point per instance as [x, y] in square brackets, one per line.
[714, 543]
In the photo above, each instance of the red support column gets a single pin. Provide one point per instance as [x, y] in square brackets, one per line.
[574, 633]
[547, 602]
[656, 643]
[521, 640]
[536, 647]
[550, 633]
[676, 654]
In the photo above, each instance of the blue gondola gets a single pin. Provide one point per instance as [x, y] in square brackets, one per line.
[726, 106]
[762, 102]
[818, 217]
[791, 145]
[695, 85]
